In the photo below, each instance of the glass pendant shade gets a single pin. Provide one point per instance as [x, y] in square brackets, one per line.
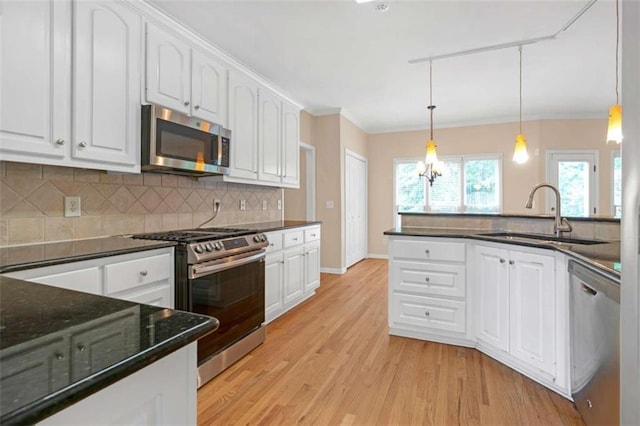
[431, 157]
[520, 154]
[614, 133]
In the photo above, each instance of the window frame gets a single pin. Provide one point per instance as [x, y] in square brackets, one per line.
[615, 154]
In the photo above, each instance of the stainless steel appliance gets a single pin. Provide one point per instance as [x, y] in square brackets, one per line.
[220, 273]
[595, 344]
[176, 143]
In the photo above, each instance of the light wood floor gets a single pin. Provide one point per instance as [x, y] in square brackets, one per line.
[331, 361]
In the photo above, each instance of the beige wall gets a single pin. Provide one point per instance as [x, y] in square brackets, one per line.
[496, 138]
[32, 203]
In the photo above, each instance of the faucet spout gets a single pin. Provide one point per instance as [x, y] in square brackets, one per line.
[560, 224]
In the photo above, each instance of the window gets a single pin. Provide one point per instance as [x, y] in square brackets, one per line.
[574, 174]
[616, 191]
[468, 184]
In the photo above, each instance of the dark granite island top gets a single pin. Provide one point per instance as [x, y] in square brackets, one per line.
[277, 225]
[605, 256]
[45, 330]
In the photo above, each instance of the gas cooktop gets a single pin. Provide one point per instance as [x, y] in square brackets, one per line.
[195, 235]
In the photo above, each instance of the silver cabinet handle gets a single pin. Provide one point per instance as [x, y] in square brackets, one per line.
[426, 314]
[60, 141]
[196, 107]
[81, 348]
[427, 279]
[313, 235]
[511, 262]
[58, 355]
[83, 144]
[144, 273]
[271, 244]
[187, 103]
[295, 239]
[282, 261]
[502, 260]
[426, 252]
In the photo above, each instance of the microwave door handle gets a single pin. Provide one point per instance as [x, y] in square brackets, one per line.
[199, 271]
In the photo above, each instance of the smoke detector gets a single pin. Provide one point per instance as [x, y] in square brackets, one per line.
[382, 7]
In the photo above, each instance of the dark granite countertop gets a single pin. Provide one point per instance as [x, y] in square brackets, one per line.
[13, 258]
[605, 256]
[277, 225]
[52, 327]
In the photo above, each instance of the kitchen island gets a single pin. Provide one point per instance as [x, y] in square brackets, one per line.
[68, 356]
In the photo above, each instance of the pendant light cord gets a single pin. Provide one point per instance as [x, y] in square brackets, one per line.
[617, 47]
[520, 50]
[431, 107]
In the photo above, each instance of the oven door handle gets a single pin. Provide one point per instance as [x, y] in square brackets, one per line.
[198, 271]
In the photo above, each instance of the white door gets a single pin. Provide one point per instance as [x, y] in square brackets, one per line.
[492, 286]
[243, 122]
[269, 136]
[532, 309]
[168, 71]
[293, 274]
[208, 89]
[107, 67]
[273, 285]
[355, 208]
[35, 71]
[574, 173]
[311, 267]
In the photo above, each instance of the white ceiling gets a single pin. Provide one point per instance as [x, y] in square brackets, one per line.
[339, 54]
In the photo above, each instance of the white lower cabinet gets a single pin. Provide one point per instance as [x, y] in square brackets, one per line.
[292, 269]
[512, 305]
[142, 277]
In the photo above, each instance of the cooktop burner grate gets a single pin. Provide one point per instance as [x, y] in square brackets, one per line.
[195, 235]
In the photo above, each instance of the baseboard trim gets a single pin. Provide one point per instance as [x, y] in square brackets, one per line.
[377, 256]
[337, 271]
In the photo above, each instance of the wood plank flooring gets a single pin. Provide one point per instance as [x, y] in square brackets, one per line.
[331, 361]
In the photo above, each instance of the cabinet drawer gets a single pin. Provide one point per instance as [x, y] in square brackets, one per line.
[85, 279]
[429, 250]
[428, 313]
[293, 238]
[130, 274]
[156, 295]
[429, 279]
[275, 241]
[312, 234]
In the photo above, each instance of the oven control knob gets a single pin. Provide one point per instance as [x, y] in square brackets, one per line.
[256, 238]
[208, 247]
[198, 249]
[217, 245]
[263, 238]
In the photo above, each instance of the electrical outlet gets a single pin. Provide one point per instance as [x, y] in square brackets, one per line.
[72, 206]
[279, 204]
[243, 204]
[264, 204]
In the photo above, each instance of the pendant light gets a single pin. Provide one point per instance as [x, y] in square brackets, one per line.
[520, 154]
[430, 167]
[614, 132]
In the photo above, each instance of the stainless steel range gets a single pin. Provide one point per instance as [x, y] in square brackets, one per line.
[220, 272]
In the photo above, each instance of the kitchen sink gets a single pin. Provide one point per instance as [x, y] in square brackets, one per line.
[542, 238]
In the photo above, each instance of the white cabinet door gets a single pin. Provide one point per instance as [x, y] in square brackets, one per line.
[492, 282]
[311, 267]
[107, 68]
[532, 309]
[274, 301]
[35, 78]
[290, 169]
[208, 89]
[243, 122]
[168, 71]
[293, 274]
[269, 137]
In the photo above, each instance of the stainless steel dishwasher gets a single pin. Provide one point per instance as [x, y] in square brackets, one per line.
[595, 344]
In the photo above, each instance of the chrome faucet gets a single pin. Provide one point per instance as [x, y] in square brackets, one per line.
[561, 224]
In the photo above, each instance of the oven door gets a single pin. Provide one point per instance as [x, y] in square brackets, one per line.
[232, 290]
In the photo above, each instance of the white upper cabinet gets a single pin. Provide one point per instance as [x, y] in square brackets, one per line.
[35, 77]
[38, 58]
[183, 79]
[269, 138]
[209, 89]
[290, 145]
[243, 122]
[107, 64]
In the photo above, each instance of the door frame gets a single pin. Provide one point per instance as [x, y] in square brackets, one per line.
[309, 152]
[354, 155]
[595, 193]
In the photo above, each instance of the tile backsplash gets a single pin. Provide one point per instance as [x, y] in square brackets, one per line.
[32, 203]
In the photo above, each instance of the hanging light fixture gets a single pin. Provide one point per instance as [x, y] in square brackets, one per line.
[614, 132]
[430, 167]
[520, 154]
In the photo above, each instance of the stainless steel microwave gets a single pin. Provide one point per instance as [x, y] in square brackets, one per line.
[175, 143]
